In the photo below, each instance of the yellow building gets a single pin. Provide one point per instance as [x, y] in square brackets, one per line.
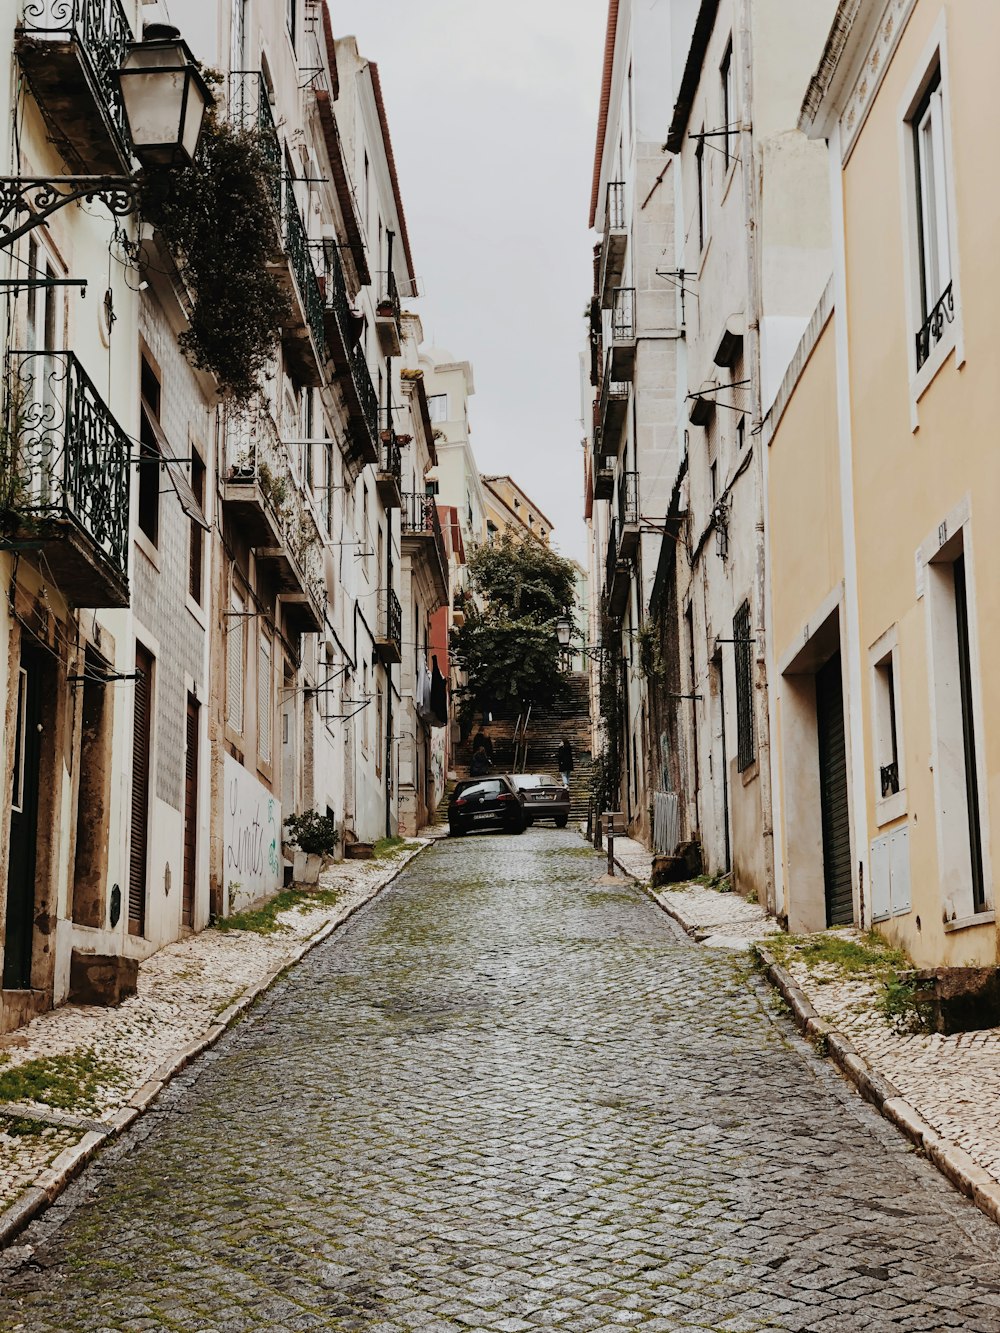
[509, 509]
[883, 485]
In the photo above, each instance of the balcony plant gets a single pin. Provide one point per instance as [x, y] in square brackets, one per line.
[314, 838]
[218, 220]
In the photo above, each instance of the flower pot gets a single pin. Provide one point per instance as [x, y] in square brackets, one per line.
[306, 867]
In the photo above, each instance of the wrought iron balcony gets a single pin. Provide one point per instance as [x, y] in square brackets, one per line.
[604, 483]
[261, 497]
[617, 574]
[628, 513]
[305, 337]
[388, 317]
[623, 333]
[389, 476]
[611, 414]
[250, 109]
[422, 538]
[70, 51]
[65, 480]
[615, 242]
[343, 329]
[389, 634]
[932, 330]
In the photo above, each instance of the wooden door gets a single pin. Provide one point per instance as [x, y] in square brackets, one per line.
[139, 845]
[23, 832]
[190, 813]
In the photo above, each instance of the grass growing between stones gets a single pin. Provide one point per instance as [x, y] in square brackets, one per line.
[263, 920]
[870, 955]
[69, 1082]
[389, 847]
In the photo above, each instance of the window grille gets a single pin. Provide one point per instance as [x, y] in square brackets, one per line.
[746, 739]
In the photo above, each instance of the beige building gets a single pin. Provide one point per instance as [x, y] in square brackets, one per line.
[510, 509]
[882, 498]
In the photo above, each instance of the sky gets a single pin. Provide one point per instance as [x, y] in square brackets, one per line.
[493, 115]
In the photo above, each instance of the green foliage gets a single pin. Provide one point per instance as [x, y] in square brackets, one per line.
[312, 833]
[263, 920]
[390, 847]
[650, 656]
[872, 955]
[69, 1082]
[900, 1003]
[509, 649]
[219, 220]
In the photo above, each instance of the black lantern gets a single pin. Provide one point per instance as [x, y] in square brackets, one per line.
[564, 630]
[165, 98]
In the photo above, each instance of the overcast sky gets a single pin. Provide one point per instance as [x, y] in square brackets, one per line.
[493, 114]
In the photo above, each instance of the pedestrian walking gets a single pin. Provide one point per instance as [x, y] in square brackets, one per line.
[480, 765]
[564, 759]
[483, 742]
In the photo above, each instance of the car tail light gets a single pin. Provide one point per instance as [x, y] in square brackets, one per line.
[460, 800]
[506, 796]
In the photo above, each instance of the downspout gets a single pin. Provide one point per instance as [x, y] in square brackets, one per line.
[762, 716]
[388, 562]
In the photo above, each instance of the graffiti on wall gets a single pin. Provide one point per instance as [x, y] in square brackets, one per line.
[252, 834]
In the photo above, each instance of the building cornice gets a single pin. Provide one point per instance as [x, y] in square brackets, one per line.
[602, 117]
[858, 51]
[704, 24]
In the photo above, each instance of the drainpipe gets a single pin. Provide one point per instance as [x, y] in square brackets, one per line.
[762, 716]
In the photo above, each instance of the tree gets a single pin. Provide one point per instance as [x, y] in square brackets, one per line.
[507, 646]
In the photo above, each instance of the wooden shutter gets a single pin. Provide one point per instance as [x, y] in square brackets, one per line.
[190, 812]
[265, 712]
[235, 629]
[139, 842]
[834, 806]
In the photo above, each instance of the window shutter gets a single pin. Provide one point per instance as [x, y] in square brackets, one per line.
[234, 663]
[265, 721]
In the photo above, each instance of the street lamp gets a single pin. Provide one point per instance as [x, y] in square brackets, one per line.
[564, 635]
[564, 630]
[165, 100]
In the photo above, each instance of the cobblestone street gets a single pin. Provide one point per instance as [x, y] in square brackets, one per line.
[507, 1096]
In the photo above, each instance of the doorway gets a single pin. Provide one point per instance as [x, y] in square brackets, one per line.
[139, 844]
[834, 804]
[190, 812]
[23, 852]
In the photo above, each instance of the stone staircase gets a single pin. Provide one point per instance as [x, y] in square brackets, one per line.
[569, 717]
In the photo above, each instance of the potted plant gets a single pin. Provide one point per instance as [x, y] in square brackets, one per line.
[314, 837]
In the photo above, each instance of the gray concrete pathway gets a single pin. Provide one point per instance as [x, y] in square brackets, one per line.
[508, 1097]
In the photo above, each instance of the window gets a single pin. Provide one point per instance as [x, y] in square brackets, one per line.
[745, 734]
[933, 240]
[741, 434]
[235, 646]
[328, 488]
[699, 159]
[715, 481]
[379, 724]
[291, 18]
[728, 103]
[149, 454]
[886, 739]
[432, 488]
[265, 711]
[437, 406]
[197, 533]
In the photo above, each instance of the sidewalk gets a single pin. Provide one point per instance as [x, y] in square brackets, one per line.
[78, 1075]
[942, 1092]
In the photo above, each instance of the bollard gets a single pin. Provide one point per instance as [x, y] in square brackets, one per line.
[611, 853]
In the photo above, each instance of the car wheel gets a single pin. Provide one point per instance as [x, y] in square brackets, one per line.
[454, 831]
[562, 821]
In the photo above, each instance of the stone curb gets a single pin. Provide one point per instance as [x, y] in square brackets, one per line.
[951, 1160]
[71, 1161]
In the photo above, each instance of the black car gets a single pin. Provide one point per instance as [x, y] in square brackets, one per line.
[485, 803]
[542, 797]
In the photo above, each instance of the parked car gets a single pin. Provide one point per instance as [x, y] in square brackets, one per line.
[485, 803]
[542, 797]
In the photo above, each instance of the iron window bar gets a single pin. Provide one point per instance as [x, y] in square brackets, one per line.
[614, 217]
[623, 315]
[932, 330]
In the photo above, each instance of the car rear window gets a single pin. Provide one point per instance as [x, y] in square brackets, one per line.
[525, 780]
[481, 789]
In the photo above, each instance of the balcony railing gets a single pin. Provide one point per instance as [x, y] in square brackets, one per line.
[614, 216]
[250, 109]
[611, 557]
[611, 414]
[300, 254]
[65, 480]
[72, 51]
[933, 327]
[343, 326]
[628, 499]
[623, 315]
[419, 518]
[388, 314]
[389, 636]
[389, 475]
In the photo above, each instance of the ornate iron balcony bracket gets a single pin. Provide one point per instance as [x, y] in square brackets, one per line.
[40, 197]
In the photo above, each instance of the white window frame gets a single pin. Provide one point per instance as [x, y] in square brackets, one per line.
[884, 656]
[265, 699]
[434, 401]
[727, 76]
[932, 65]
[236, 662]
